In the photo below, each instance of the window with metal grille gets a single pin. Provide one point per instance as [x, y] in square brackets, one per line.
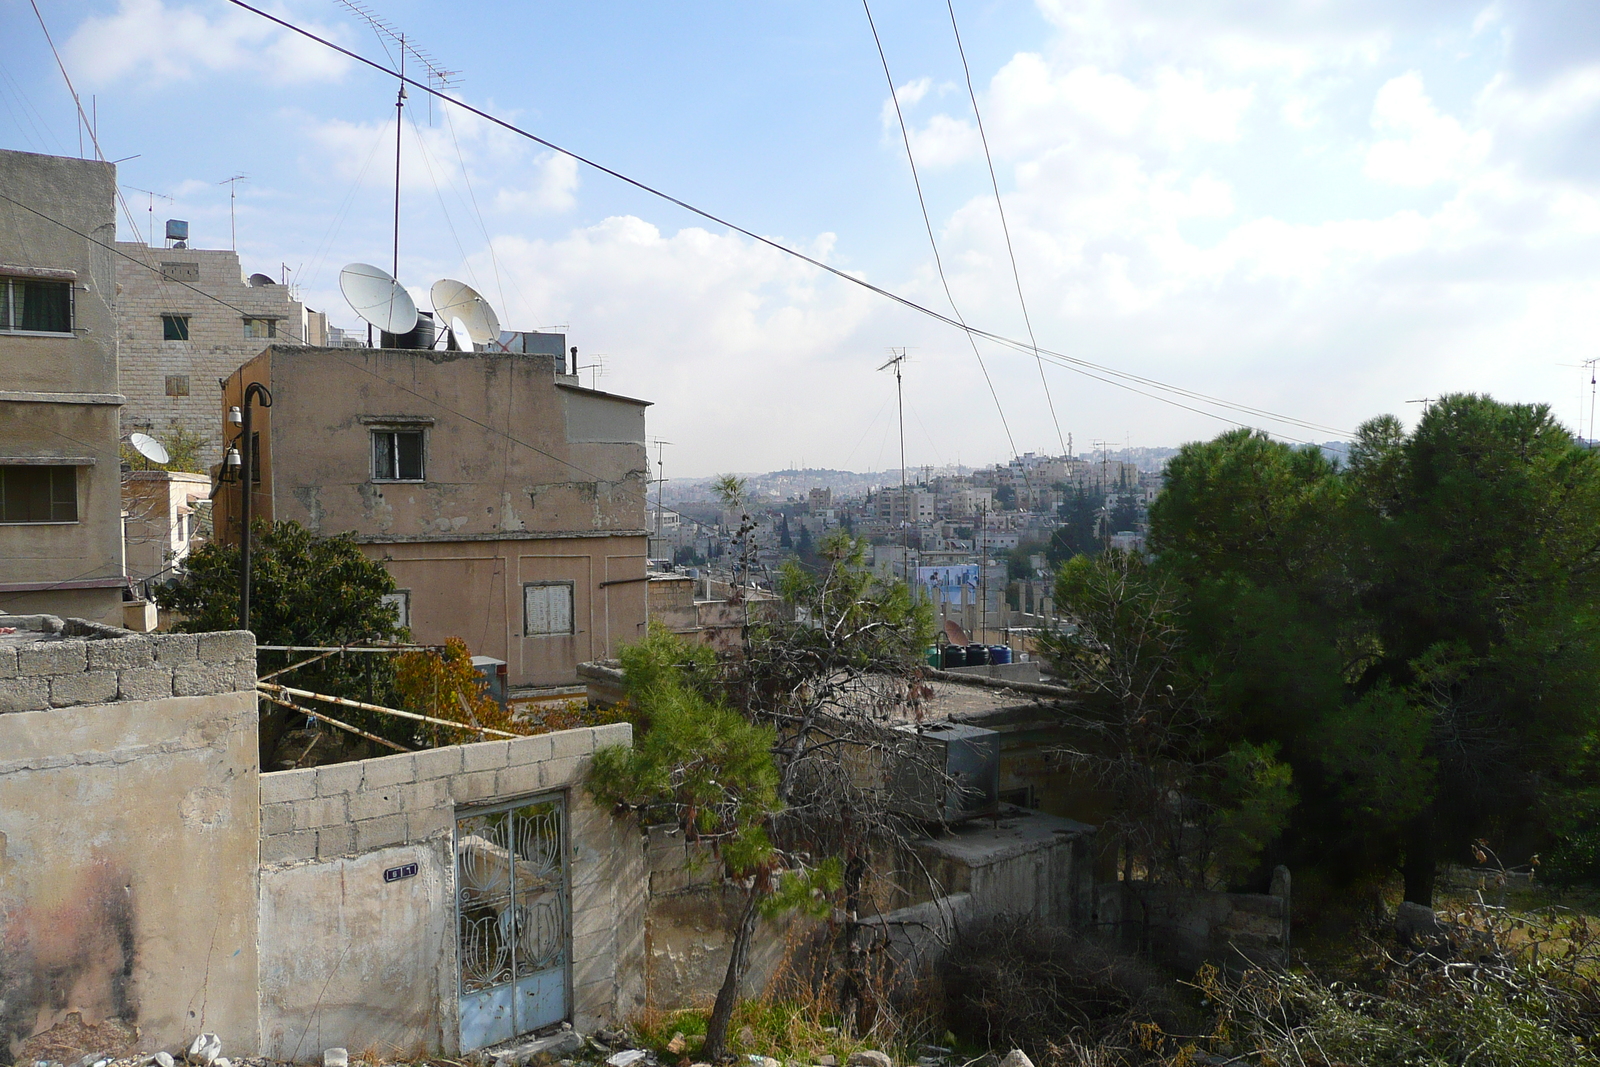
[397, 456]
[33, 305]
[546, 608]
[38, 494]
[260, 328]
[174, 327]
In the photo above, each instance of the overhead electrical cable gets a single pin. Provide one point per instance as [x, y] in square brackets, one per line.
[1073, 363]
[927, 222]
[83, 116]
[1004, 228]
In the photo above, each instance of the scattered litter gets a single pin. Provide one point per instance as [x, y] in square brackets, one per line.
[627, 1058]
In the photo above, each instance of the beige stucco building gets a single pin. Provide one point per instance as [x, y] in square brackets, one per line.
[186, 319]
[160, 520]
[60, 501]
[507, 501]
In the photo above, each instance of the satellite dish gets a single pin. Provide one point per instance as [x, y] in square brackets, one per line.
[459, 302]
[258, 280]
[378, 298]
[460, 335]
[149, 448]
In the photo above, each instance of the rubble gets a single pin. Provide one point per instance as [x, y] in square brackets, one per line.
[204, 1050]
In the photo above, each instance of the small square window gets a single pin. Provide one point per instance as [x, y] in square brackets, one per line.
[38, 494]
[177, 385]
[174, 327]
[397, 456]
[547, 608]
[260, 329]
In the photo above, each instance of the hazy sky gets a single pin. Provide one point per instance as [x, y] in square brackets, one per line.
[1317, 209]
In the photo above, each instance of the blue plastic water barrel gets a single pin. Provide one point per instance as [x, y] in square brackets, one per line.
[999, 654]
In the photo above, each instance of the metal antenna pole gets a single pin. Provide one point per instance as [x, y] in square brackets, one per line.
[399, 122]
[905, 497]
[233, 228]
[253, 391]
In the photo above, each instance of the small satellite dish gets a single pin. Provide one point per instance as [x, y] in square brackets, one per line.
[459, 334]
[149, 448]
[459, 302]
[258, 280]
[378, 298]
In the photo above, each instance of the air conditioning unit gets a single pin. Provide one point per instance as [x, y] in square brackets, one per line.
[951, 773]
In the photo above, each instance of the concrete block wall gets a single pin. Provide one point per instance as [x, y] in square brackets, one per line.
[75, 663]
[348, 959]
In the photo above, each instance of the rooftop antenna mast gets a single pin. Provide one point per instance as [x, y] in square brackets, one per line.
[1590, 363]
[152, 194]
[233, 228]
[899, 358]
[661, 480]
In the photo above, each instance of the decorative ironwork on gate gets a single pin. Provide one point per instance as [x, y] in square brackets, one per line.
[512, 907]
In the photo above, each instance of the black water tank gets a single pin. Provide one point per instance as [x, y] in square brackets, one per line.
[954, 656]
[977, 655]
[421, 335]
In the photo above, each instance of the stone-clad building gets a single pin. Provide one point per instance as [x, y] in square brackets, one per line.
[177, 343]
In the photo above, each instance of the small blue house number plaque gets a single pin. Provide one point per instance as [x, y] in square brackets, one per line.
[394, 874]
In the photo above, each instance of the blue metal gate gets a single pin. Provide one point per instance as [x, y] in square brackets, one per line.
[512, 908]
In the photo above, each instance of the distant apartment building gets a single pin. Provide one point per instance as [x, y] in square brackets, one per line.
[161, 514]
[896, 506]
[966, 503]
[507, 501]
[186, 320]
[60, 497]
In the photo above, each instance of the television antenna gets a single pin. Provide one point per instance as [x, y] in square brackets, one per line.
[152, 194]
[597, 370]
[661, 479]
[897, 360]
[232, 184]
[1590, 363]
[388, 34]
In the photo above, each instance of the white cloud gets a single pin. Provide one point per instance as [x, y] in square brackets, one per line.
[154, 41]
[1419, 146]
[554, 187]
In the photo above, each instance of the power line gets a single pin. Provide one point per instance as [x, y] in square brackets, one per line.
[1004, 228]
[938, 263]
[1081, 366]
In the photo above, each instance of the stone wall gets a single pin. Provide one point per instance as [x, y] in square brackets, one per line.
[349, 960]
[128, 837]
[1188, 927]
[76, 663]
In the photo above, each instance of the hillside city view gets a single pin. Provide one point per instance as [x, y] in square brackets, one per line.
[1038, 533]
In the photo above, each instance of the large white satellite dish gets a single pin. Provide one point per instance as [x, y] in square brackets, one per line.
[460, 336]
[149, 448]
[378, 298]
[454, 300]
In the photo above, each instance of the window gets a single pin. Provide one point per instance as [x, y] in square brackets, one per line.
[35, 306]
[38, 494]
[546, 609]
[401, 599]
[397, 455]
[174, 327]
[260, 328]
[177, 385]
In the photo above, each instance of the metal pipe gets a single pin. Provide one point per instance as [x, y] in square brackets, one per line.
[335, 722]
[383, 710]
[255, 390]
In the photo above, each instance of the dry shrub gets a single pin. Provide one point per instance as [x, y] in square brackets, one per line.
[447, 686]
[1064, 998]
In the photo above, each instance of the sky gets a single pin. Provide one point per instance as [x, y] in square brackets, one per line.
[1314, 211]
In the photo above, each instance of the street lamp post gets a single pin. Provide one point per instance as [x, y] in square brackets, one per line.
[247, 475]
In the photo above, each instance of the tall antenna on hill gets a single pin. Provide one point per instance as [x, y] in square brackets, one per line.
[905, 498]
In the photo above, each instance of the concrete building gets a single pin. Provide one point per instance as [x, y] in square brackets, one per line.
[186, 319]
[160, 520]
[60, 501]
[507, 501]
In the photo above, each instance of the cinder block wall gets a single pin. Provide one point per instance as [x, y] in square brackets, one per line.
[128, 836]
[349, 960]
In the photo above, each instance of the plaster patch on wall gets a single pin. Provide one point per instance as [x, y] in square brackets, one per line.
[205, 808]
[310, 497]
